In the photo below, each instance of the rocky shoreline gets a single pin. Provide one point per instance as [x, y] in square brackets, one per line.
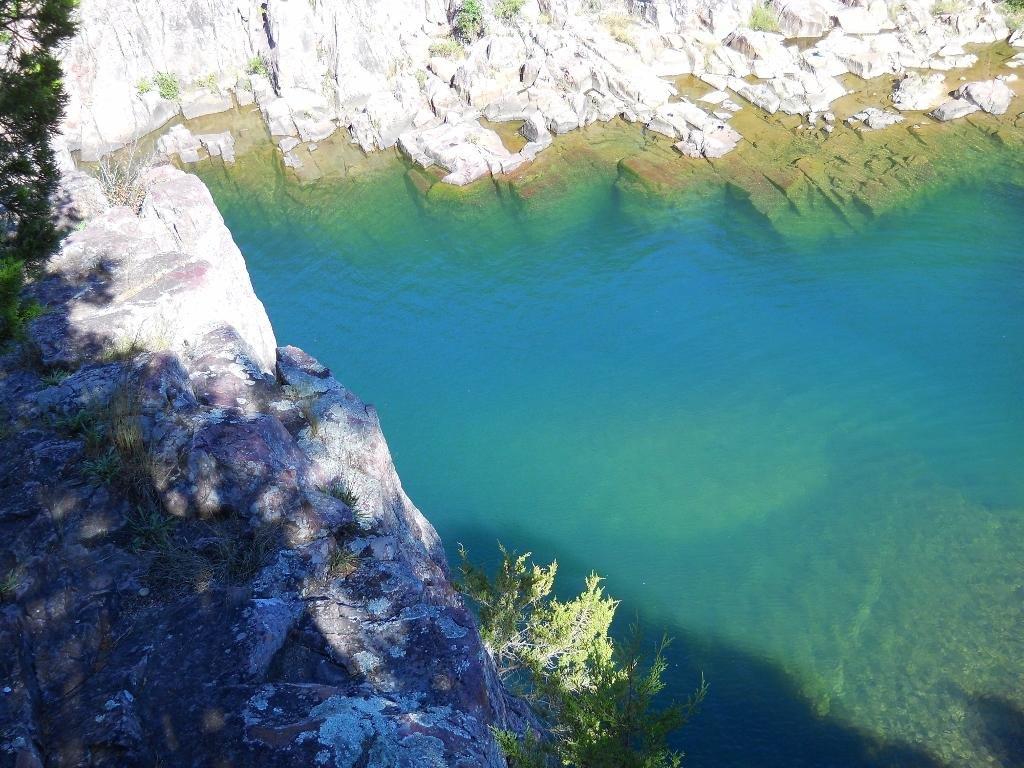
[209, 556]
[394, 75]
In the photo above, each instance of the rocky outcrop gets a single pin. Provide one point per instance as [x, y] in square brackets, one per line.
[209, 557]
[391, 72]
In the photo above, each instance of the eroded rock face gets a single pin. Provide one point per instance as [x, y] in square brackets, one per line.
[250, 585]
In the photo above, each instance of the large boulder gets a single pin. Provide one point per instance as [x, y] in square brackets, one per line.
[992, 96]
[917, 92]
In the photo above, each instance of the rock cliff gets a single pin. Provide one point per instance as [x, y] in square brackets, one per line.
[208, 556]
[396, 73]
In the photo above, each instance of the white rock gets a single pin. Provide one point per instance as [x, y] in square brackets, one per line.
[916, 92]
[278, 117]
[875, 119]
[714, 141]
[761, 96]
[220, 145]
[201, 103]
[992, 96]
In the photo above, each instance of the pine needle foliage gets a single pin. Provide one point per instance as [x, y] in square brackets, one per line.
[595, 698]
[32, 102]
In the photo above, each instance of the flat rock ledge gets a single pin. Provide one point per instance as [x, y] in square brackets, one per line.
[216, 601]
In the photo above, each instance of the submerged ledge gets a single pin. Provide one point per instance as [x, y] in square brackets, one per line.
[802, 179]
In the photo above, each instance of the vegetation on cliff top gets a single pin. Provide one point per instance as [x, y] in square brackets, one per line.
[31, 104]
[594, 697]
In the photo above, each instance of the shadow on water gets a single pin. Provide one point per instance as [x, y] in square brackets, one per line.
[755, 714]
[1001, 725]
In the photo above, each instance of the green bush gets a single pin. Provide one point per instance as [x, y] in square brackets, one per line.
[508, 9]
[469, 21]
[258, 66]
[763, 19]
[594, 697]
[144, 86]
[168, 86]
[1015, 5]
[449, 48]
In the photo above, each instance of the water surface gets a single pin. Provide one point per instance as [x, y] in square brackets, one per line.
[801, 456]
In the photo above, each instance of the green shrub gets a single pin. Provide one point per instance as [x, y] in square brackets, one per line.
[763, 19]
[508, 9]
[469, 21]
[449, 48]
[594, 697]
[209, 82]
[258, 66]
[144, 86]
[168, 86]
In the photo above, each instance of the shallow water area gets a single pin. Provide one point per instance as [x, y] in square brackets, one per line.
[780, 410]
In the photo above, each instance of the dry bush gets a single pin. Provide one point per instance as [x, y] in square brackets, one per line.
[122, 176]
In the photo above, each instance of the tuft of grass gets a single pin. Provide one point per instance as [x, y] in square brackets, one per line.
[9, 584]
[125, 436]
[121, 350]
[341, 492]
[763, 19]
[229, 558]
[449, 48]
[946, 7]
[310, 416]
[103, 469]
[168, 86]
[150, 530]
[507, 10]
[618, 25]
[144, 86]
[86, 424]
[258, 66]
[342, 563]
[55, 378]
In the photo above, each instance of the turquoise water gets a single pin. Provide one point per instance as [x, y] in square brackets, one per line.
[803, 458]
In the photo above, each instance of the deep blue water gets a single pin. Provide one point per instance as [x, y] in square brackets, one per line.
[801, 457]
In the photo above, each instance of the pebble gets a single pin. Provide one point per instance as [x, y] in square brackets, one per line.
[144, 592]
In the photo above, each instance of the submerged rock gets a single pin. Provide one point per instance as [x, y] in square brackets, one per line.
[953, 109]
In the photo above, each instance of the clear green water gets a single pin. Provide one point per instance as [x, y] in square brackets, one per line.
[801, 457]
